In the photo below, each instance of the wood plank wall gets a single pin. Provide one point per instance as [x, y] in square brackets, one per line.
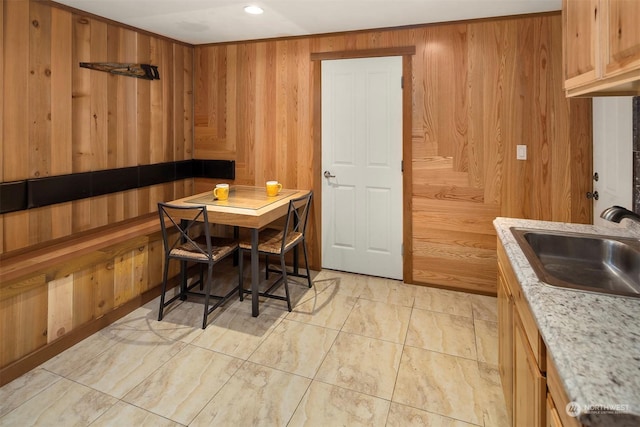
[479, 89]
[58, 118]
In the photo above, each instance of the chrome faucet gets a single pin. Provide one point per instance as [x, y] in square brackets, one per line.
[616, 213]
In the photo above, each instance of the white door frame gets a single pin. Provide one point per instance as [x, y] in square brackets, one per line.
[362, 146]
[407, 153]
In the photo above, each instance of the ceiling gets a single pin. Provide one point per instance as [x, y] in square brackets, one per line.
[214, 21]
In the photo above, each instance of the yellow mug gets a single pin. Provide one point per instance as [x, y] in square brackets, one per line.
[221, 192]
[273, 188]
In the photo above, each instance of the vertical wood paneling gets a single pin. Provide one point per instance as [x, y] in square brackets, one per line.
[62, 115]
[143, 128]
[2, 98]
[104, 282]
[66, 119]
[60, 306]
[81, 115]
[23, 324]
[15, 131]
[39, 94]
[479, 89]
[84, 296]
[99, 118]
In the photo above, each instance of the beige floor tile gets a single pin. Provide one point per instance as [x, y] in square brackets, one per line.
[295, 347]
[347, 330]
[70, 360]
[440, 383]
[182, 321]
[24, 388]
[493, 406]
[65, 403]
[236, 333]
[388, 291]
[362, 364]
[443, 301]
[340, 282]
[327, 405]
[123, 414]
[329, 309]
[484, 307]
[442, 332]
[185, 384]
[403, 416]
[125, 364]
[379, 320]
[254, 396]
[487, 341]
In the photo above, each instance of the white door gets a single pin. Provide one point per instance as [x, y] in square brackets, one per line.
[612, 154]
[362, 166]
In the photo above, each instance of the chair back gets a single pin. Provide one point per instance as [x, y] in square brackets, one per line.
[186, 220]
[297, 217]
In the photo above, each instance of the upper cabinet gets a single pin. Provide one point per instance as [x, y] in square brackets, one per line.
[580, 49]
[601, 47]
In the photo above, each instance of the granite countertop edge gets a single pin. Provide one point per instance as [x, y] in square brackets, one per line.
[593, 339]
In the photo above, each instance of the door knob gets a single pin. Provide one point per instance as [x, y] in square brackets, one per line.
[593, 195]
[327, 174]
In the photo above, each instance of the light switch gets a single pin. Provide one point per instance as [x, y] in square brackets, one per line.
[521, 152]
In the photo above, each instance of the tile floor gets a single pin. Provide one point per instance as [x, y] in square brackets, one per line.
[356, 350]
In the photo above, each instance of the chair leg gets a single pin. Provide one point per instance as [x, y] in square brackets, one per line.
[207, 293]
[284, 279]
[164, 287]
[266, 267]
[241, 274]
[306, 261]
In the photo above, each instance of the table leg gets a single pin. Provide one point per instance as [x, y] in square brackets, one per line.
[255, 274]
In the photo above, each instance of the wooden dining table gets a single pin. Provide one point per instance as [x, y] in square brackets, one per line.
[247, 207]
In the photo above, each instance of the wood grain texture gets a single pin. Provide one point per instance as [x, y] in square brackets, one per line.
[66, 119]
[621, 33]
[479, 88]
[71, 284]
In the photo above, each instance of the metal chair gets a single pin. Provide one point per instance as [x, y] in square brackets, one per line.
[184, 246]
[279, 243]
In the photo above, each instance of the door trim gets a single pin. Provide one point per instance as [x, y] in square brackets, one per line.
[406, 53]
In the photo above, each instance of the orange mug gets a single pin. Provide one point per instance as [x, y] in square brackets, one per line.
[221, 192]
[273, 188]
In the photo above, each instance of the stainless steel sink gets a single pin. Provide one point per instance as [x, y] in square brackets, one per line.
[604, 264]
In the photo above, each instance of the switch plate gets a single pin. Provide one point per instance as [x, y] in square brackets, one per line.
[521, 152]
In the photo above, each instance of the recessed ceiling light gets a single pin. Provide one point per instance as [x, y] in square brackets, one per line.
[254, 10]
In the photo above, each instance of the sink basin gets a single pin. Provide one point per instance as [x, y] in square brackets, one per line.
[587, 262]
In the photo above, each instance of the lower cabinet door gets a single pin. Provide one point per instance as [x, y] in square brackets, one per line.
[553, 419]
[529, 385]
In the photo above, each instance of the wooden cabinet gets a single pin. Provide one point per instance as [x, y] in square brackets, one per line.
[531, 385]
[505, 340]
[601, 47]
[553, 418]
[557, 400]
[622, 36]
[521, 351]
[581, 43]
